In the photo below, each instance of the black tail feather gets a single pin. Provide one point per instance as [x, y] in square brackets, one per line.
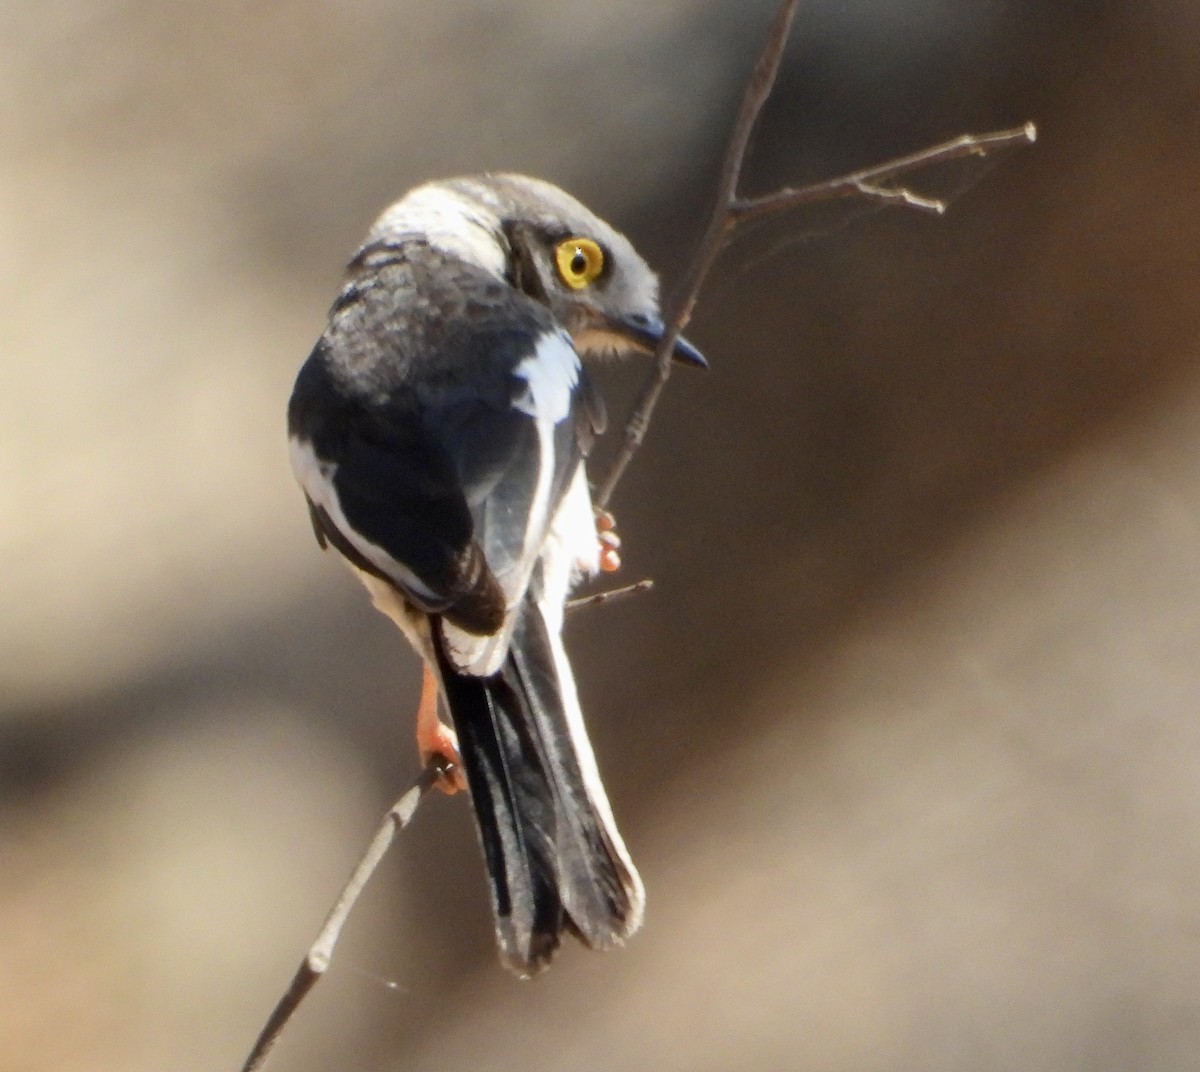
[553, 858]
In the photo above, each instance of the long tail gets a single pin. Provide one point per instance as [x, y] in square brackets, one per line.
[555, 860]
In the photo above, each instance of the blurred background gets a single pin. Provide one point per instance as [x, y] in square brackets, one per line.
[904, 741]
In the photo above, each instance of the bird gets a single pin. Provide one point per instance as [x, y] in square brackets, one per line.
[440, 430]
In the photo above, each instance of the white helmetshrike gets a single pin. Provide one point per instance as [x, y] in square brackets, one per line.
[439, 430]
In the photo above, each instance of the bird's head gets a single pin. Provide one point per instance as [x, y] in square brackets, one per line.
[552, 248]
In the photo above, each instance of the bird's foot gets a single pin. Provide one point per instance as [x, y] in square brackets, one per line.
[439, 749]
[610, 542]
[437, 743]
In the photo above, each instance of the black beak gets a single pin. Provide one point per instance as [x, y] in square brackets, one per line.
[646, 332]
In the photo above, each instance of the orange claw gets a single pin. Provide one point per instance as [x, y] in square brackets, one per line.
[610, 542]
[437, 743]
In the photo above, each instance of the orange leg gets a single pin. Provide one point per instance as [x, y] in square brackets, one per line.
[437, 743]
[610, 542]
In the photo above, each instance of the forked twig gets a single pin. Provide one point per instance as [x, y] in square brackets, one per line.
[873, 183]
[877, 184]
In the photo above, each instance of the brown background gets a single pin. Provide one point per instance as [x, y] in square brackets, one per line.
[905, 742]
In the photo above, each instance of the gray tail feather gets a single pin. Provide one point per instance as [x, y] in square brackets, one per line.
[555, 862]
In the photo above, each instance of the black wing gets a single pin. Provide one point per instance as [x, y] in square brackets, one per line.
[427, 462]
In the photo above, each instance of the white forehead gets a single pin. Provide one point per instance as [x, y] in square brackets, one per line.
[448, 220]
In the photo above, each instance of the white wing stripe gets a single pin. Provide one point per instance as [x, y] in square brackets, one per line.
[316, 478]
[551, 374]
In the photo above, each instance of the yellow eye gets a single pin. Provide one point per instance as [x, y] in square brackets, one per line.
[579, 261]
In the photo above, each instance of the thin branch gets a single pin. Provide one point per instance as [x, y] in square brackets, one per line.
[316, 962]
[610, 595]
[874, 183]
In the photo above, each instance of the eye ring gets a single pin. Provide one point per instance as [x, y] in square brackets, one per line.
[579, 261]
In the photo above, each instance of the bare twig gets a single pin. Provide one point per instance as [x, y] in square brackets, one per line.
[875, 183]
[610, 595]
[319, 955]
[731, 210]
[758, 89]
